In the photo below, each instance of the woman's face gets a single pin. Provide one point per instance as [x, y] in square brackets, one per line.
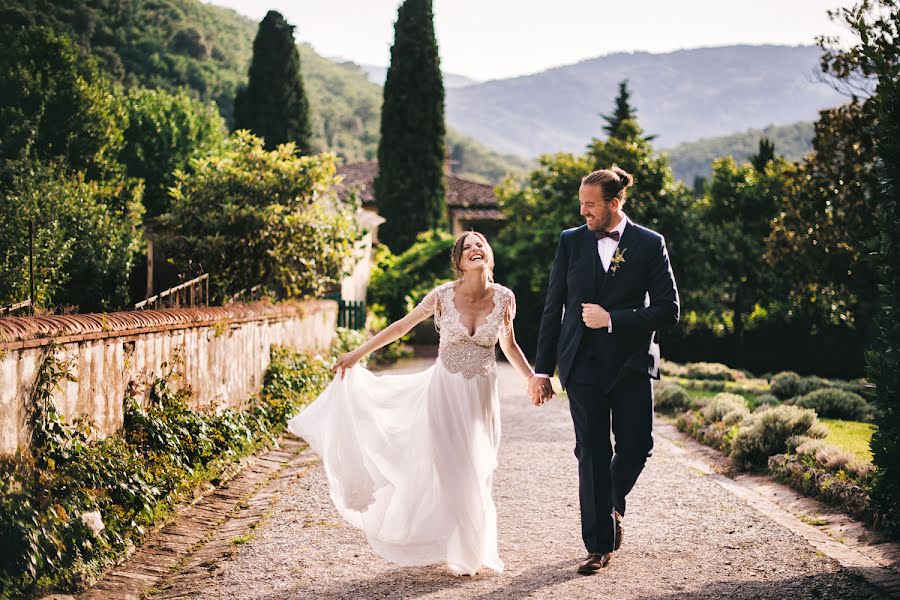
[476, 254]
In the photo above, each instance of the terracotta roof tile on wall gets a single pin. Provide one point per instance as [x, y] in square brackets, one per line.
[461, 192]
[17, 332]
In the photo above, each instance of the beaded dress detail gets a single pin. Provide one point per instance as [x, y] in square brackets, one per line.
[410, 457]
[459, 351]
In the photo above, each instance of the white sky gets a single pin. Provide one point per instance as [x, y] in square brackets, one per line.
[490, 39]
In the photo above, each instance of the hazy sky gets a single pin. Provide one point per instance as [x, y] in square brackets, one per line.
[488, 39]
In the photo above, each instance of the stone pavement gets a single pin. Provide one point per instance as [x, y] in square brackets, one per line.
[271, 532]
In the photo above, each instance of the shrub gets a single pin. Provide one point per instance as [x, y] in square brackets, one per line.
[767, 400]
[785, 385]
[714, 371]
[726, 404]
[671, 398]
[832, 403]
[768, 431]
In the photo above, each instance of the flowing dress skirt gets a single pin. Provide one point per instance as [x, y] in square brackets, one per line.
[410, 460]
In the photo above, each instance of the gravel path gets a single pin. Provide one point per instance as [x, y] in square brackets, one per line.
[685, 536]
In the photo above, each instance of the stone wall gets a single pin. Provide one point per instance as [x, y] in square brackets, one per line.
[221, 353]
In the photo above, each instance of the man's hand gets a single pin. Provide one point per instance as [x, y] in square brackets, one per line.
[539, 389]
[594, 316]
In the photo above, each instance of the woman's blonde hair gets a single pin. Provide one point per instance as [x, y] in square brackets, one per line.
[457, 253]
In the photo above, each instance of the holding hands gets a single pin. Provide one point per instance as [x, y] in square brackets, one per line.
[539, 389]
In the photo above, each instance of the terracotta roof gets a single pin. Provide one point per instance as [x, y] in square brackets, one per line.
[19, 332]
[461, 192]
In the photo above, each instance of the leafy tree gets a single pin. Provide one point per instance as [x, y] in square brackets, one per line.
[164, 132]
[87, 236]
[409, 187]
[741, 202]
[875, 60]
[818, 237]
[248, 216]
[274, 104]
[54, 104]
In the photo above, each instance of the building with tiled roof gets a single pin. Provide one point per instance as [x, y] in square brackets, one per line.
[470, 204]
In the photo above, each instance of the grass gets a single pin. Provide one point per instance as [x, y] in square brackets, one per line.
[852, 436]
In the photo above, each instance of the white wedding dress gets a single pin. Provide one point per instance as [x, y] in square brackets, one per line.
[410, 458]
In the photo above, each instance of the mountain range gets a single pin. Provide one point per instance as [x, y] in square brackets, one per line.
[680, 97]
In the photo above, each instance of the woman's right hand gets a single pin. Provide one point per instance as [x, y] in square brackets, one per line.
[346, 361]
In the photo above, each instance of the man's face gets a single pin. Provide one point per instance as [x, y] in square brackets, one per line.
[597, 213]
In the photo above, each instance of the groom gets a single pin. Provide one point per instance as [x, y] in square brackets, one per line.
[611, 288]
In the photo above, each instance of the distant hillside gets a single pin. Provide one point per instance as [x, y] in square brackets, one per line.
[693, 159]
[377, 74]
[681, 96]
[184, 43]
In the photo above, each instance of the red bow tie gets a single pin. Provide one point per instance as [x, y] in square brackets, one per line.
[613, 235]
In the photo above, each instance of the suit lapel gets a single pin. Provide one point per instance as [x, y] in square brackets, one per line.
[627, 245]
[592, 257]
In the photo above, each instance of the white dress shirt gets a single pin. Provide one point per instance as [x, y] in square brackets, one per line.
[606, 248]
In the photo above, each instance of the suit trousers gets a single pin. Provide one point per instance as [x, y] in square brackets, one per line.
[605, 477]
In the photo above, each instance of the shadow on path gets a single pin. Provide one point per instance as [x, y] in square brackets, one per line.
[532, 580]
[824, 586]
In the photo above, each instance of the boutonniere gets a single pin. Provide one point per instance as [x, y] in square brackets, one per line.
[617, 259]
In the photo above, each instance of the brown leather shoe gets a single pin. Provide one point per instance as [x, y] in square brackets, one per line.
[620, 530]
[593, 563]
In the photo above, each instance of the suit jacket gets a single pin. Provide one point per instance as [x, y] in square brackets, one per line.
[640, 296]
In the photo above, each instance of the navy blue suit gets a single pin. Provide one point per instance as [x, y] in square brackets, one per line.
[607, 375]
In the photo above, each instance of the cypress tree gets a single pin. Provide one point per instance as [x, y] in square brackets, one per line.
[409, 188]
[274, 105]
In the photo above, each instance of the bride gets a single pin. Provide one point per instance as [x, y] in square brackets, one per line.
[410, 458]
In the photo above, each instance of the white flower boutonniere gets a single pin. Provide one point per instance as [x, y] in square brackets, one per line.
[617, 259]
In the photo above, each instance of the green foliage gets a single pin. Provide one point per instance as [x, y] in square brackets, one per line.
[671, 399]
[767, 400]
[165, 131]
[399, 282]
[248, 216]
[87, 235]
[729, 408]
[788, 384]
[824, 216]
[691, 160]
[274, 105]
[740, 203]
[820, 470]
[769, 430]
[874, 61]
[712, 371]
[622, 112]
[409, 187]
[55, 105]
[49, 493]
[836, 404]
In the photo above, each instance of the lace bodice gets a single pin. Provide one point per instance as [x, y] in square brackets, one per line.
[460, 352]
